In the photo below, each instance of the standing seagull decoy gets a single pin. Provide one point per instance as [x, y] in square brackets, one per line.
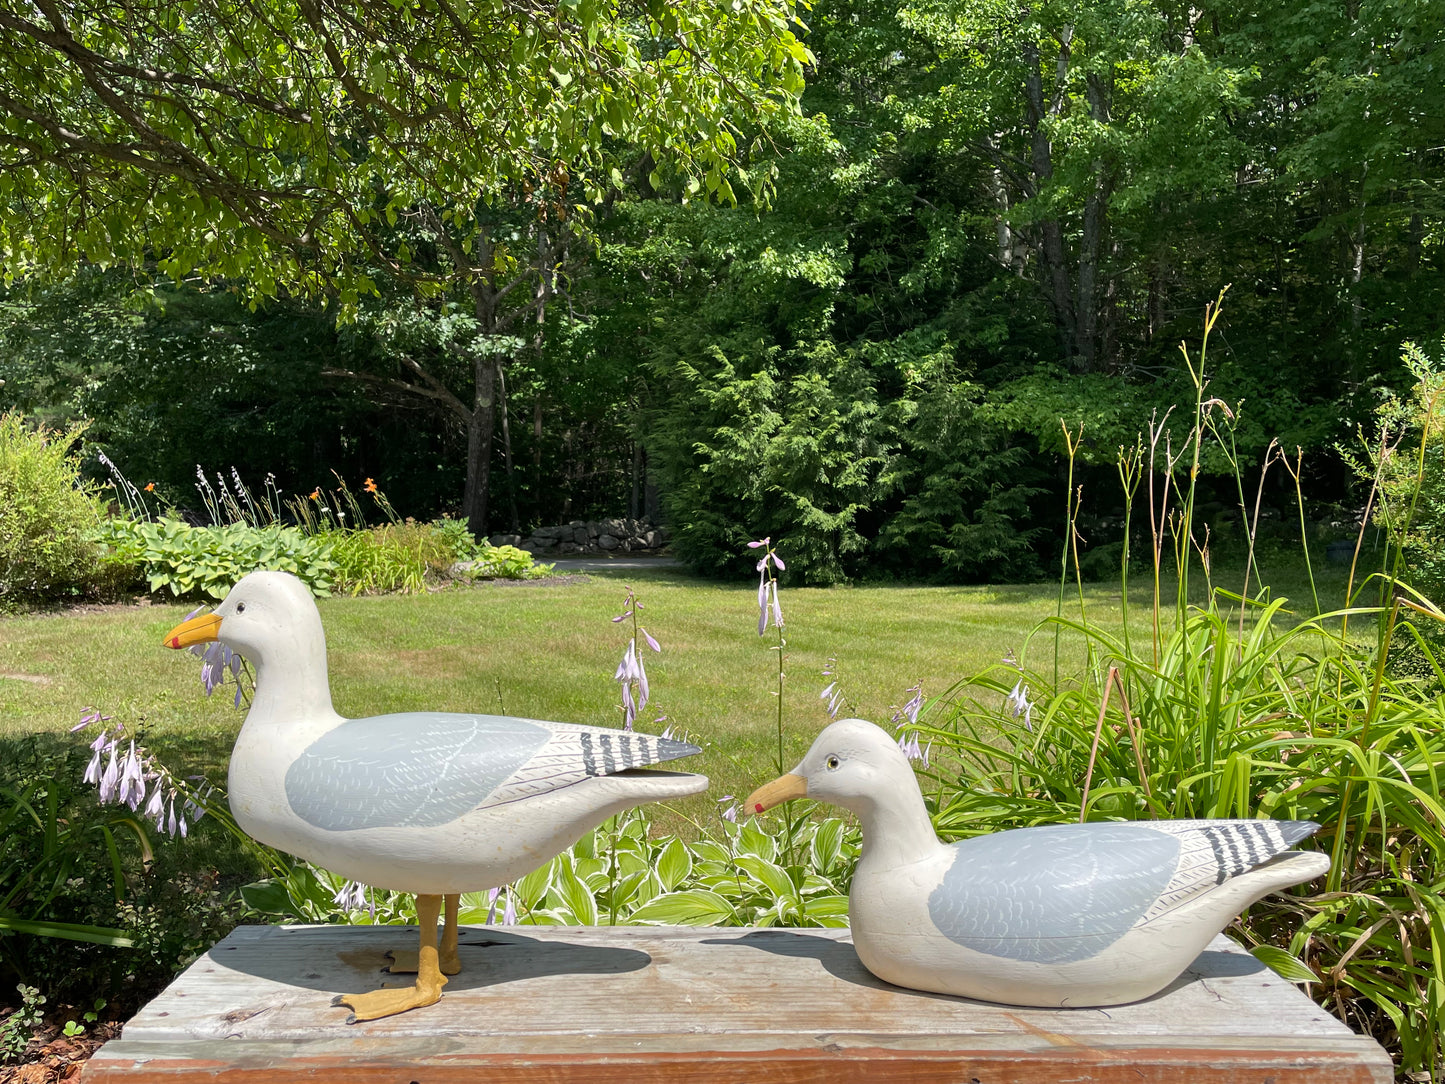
[425, 802]
[1064, 915]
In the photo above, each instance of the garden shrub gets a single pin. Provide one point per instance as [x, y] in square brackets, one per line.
[183, 560]
[392, 557]
[87, 904]
[47, 514]
[186, 560]
[1410, 461]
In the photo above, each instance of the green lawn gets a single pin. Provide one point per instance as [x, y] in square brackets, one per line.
[550, 650]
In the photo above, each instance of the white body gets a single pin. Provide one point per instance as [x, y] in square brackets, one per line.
[896, 939]
[1109, 913]
[270, 619]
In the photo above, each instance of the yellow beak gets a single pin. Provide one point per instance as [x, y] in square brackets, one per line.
[198, 630]
[781, 789]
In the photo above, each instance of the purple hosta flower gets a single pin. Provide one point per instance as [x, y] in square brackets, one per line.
[351, 896]
[215, 661]
[155, 809]
[1018, 703]
[833, 691]
[728, 808]
[630, 672]
[908, 742]
[771, 557]
[88, 716]
[195, 806]
[509, 909]
[110, 778]
[768, 605]
[104, 743]
[908, 713]
[132, 788]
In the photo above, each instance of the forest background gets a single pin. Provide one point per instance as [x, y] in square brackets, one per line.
[985, 217]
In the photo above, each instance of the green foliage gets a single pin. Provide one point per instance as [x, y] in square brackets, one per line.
[66, 865]
[46, 517]
[357, 149]
[772, 443]
[1408, 455]
[186, 560]
[1258, 718]
[1237, 707]
[756, 874]
[16, 1029]
[393, 557]
[505, 563]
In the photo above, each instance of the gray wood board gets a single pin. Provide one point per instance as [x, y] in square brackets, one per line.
[632, 995]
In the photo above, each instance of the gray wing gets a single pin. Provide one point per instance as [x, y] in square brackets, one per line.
[574, 753]
[1054, 894]
[425, 769]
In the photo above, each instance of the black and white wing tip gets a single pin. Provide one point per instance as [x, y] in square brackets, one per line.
[672, 749]
[1296, 831]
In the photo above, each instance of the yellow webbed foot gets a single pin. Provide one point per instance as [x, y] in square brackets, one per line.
[404, 962]
[429, 980]
[379, 1003]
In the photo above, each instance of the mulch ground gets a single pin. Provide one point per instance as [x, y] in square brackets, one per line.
[52, 1057]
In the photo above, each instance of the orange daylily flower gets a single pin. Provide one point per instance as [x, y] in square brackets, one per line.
[150, 487]
[370, 486]
[316, 494]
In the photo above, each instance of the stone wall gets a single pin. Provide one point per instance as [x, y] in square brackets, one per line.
[601, 536]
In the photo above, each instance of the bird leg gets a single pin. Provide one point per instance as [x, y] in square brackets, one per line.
[429, 979]
[404, 961]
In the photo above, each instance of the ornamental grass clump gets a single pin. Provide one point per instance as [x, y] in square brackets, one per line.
[1238, 706]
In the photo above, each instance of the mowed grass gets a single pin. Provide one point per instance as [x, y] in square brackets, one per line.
[549, 650]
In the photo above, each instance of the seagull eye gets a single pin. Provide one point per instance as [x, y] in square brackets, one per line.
[240, 607]
[832, 763]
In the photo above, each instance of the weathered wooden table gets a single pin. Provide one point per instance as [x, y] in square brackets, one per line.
[701, 1006]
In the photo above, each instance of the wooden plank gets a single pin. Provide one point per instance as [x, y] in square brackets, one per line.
[557, 1005]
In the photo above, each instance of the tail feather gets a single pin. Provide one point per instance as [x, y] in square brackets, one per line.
[672, 749]
[1295, 831]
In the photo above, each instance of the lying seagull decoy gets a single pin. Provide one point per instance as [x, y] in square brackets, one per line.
[1067, 915]
[425, 802]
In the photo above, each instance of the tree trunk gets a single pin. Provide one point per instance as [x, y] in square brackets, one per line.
[1096, 205]
[479, 446]
[516, 523]
[1052, 249]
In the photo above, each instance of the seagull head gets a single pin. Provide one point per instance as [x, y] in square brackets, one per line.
[852, 764]
[264, 615]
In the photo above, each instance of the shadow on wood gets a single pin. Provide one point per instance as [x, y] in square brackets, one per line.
[488, 956]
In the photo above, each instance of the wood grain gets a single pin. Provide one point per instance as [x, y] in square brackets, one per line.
[555, 1005]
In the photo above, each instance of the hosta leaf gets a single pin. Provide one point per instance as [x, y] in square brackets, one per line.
[692, 907]
[673, 865]
[575, 896]
[1283, 964]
